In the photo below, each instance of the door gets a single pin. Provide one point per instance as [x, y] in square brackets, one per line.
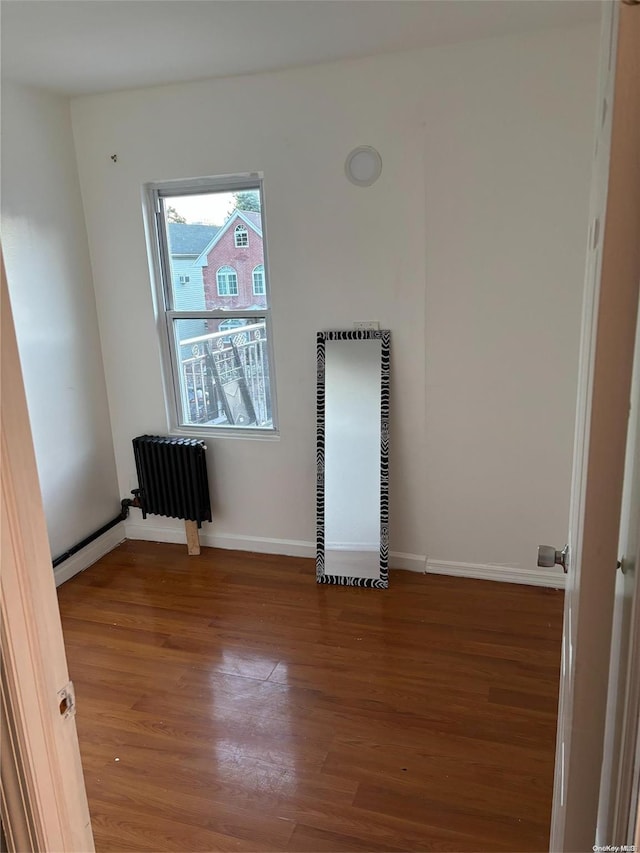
[616, 791]
[44, 804]
[606, 358]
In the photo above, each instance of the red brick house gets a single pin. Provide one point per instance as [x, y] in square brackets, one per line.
[233, 264]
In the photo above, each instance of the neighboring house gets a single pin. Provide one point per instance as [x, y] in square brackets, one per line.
[232, 264]
[186, 242]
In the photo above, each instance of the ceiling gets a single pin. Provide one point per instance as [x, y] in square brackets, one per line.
[86, 46]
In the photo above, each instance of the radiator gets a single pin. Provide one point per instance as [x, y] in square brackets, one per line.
[172, 476]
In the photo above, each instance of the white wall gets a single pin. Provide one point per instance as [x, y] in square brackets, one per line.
[510, 137]
[46, 255]
[470, 248]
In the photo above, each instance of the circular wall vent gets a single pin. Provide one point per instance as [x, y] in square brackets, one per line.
[363, 166]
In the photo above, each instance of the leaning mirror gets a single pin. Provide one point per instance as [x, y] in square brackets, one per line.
[353, 458]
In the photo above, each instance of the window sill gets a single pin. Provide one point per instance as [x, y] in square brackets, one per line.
[226, 432]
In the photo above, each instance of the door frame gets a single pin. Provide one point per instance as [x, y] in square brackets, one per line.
[626, 804]
[44, 803]
[619, 796]
[606, 360]
[46, 746]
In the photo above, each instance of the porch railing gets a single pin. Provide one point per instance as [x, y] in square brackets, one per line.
[225, 382]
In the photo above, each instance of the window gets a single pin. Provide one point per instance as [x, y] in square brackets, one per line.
[227, 281]
[241, 236]
[216, 345]
[258, 280]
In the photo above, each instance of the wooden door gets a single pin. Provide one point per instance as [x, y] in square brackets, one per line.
[611, 306]
[44, 804]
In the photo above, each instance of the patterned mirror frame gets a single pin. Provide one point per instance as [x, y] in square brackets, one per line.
[381, 582]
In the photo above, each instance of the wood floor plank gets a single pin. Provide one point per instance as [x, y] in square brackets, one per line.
[228, 702]
[443, 777]
[121, 828]
[435, 748]
[474, 821]
[308, 838]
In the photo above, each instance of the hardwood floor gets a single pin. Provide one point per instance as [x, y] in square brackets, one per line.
[228, 703]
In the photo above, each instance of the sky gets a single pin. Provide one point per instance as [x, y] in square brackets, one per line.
[211, 209]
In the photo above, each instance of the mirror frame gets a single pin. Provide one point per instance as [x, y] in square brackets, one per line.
[384, 335]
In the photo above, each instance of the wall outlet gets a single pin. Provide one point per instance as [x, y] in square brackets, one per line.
[367, 326]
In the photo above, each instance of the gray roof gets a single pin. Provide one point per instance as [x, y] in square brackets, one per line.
[189, 239]
[254, 216]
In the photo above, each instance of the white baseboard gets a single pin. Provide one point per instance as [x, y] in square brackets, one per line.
[89, 555]
[260, 544]
[300, 548]
[505, 574]
[228, 541]
[408, 562]
[257, 544]
[149, 533]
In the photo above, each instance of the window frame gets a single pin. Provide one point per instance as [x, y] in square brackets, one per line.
[241, 228]
[253, 280]
[156, 194]
[225, 269]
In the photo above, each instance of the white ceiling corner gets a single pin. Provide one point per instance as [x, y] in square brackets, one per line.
[86, 46]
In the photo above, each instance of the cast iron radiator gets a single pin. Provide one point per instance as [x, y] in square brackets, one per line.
[172, 476]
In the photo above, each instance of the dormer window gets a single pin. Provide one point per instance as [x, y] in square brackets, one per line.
[241, 236]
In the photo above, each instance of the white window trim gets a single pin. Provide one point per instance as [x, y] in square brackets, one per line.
[235, 272]
[158, 253]
[241, 228]
[253, 280]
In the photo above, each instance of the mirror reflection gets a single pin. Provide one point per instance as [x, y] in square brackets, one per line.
[352, 448]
